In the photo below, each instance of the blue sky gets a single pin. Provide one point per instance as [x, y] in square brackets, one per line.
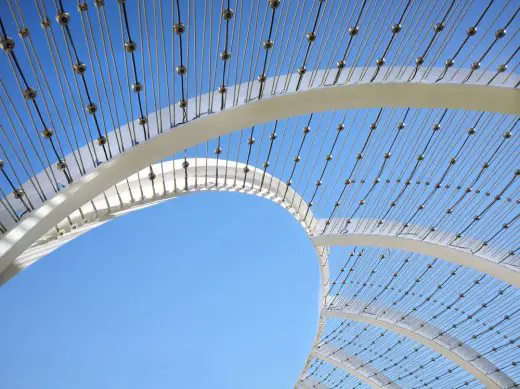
[174, 296]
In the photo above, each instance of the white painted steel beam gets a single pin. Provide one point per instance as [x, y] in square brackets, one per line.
[482, 370]
[418, 95]
[448, 253]
[359, 369]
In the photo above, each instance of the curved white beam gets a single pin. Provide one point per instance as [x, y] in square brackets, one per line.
[354, 366]
[458, 96]
[491, 379]
[447, 253]
[112, 203]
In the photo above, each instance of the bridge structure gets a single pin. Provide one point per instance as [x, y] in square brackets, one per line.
[386, 128]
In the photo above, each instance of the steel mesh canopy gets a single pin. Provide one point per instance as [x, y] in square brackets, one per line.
[386, 127]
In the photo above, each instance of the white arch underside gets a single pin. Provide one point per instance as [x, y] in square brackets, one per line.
[353, 365]
[434, 249]
[482, 369]
[415, 95]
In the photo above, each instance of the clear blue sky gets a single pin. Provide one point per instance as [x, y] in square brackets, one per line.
[180, 295]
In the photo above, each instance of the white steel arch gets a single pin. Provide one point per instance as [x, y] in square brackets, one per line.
[367, 373]
[457, 96]
[452, 254]
[484, 371]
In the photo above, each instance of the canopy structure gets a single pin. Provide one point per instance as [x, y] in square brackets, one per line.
[387, 128]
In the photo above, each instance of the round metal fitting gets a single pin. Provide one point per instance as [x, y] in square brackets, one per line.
[251, 141]
[396, 28]
[262, 78]
[500, 33]
[29, 94]
[80, 68]
[23, 32]
[181, 70]
[130, 46]
[137, 87]
[99, 3]
[266, 164]
[45, 23]
[63, 18]
[61, 165]
[91, 108]
[471, 131]
[449, 63]
[268, 44]
[438, 27]
[225, 55]
[501, 68]
[101, 141]
[353, 30]
[475, 65]
[272, 136]
[311, 36]
[18, 193]
[302, 70]
[297, 159]
[380, 61]
[471, 31]
[218, 150]
[436, 127]
[82, 7]
[227, 14]
[341, 127]
[222, 89]
[185, 164]
[359, 156]
[419, 61]
[7, 44]
[373, 126]
[179, 28]
[47, 133]
[142, 120]
[183, 103]
[306, 129]
[152, 176]
[341, 64]
[274, 4]
[401, 125]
